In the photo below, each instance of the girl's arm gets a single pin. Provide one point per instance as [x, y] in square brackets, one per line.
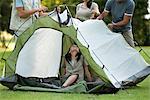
[87, 73]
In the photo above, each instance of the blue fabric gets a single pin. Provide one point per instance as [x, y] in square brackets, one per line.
[19, 3]
[118, 10]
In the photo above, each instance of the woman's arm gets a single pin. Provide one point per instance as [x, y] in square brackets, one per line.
[95, 11]
[77, 8]
[26, 13]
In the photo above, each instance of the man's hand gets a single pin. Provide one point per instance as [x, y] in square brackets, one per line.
[103, 15]
[110, 26]
[100, 17]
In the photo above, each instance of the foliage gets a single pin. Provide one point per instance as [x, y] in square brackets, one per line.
[5, 8]
[147, 36]
[140, 24]
[51, 4]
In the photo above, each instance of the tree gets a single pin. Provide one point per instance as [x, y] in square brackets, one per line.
[5, 12]
[147, 35]
[51, 4]
[140, 24]
[5, 8]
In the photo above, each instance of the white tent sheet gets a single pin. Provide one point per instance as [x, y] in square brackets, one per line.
[110, 49]
[40, 56]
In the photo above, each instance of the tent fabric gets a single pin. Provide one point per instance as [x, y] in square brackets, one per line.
[110, 49]
[107, 53]
[44, 49]
[77, 88]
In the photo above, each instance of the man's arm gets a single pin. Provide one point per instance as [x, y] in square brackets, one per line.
[118, 25]
[103, 15]
[125, 21]
[106, 11]
[127, 16]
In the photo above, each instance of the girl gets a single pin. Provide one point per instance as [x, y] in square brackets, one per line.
[75, 66]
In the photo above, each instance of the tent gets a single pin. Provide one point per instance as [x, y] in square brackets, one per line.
[35, 63]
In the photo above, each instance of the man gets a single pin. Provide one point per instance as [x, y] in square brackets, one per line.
[24, 13]
[122, 12]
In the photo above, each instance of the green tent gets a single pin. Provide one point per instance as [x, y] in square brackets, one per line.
[35, 63]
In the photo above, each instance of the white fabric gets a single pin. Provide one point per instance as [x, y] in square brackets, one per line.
[40, 56]
[110, 49]
[63, 17]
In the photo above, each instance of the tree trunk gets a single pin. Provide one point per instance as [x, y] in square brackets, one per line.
[0, 39]
[3, 40]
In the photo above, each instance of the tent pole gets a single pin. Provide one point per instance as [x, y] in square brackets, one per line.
[2, 57]
[3, 74]
[141, 49]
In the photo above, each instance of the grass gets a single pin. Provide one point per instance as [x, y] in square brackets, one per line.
[140, 92]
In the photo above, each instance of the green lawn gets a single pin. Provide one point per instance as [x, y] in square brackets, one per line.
[140, 92]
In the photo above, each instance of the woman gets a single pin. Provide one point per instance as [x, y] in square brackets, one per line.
[24, 13]
[75, 66]
[87, 10]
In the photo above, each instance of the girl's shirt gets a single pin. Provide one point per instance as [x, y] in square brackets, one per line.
[76, 67]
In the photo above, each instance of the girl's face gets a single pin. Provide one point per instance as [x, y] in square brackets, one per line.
[74, 48]
[85, 0]
[120, 1]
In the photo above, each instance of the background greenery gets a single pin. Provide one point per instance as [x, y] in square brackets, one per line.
[141, 26]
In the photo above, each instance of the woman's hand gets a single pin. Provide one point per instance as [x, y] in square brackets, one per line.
[43, 14]
[42, 11]
[93, 14]
[43, 8]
